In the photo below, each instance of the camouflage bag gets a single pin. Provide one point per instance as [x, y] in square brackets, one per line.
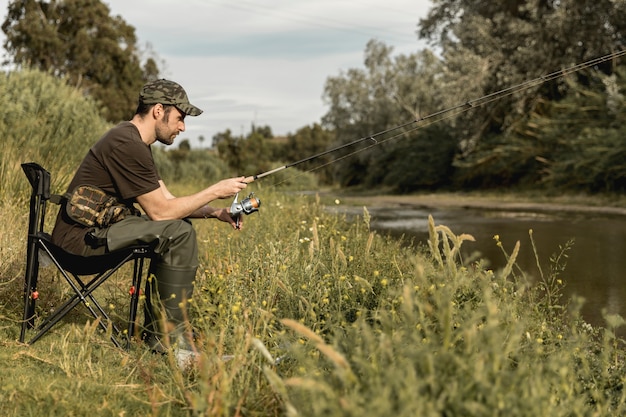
[92, 207]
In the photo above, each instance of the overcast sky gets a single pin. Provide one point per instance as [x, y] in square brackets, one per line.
[266, 61]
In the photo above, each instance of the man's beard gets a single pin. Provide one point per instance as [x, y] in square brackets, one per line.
[163, 134]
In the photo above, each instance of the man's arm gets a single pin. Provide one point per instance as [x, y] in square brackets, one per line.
[166, 192]
[204, 212]
[160, 204]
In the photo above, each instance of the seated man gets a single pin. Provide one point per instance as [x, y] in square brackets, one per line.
[121, 165]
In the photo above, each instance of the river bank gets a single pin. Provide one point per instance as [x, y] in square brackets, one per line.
[608, 206]
[592, 228]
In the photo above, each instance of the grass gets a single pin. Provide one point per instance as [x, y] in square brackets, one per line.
[324, 317]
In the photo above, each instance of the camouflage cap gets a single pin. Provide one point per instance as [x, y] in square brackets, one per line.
[168, 92]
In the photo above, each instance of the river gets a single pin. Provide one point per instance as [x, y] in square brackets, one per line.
[596, 262]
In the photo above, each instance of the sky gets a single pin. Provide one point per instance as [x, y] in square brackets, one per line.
[263, 62]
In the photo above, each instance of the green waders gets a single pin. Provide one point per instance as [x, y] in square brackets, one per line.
[171, 278]
[172, 287]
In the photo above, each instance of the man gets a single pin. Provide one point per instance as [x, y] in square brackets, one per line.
[121, 165]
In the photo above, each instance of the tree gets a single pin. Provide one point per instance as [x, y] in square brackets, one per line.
[388, 93]
[489, 46]
[580, 139]
[184, 145]
[246, 155]
[306, 142]
[78, 40]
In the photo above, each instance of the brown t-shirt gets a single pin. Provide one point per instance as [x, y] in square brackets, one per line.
[121, 164]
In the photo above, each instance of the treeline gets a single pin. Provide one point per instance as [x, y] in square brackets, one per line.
[574, 143]
[79, 42]
[565, 133]
[570, 140]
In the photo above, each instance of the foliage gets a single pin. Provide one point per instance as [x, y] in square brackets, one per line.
[513, 42]
[45, 121]
[306, 142]
[78, 40]
[326, 317]
[387, 94]
[586, 134]
[495, 46]
[249, 155]
[184, 146]
[489, 139]
[260, 152]
[421, 161]
[192, 166]
[574, 143]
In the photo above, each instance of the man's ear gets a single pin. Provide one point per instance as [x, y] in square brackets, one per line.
[157, 111]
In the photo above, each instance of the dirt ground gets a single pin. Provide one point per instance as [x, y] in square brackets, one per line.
[563, 204]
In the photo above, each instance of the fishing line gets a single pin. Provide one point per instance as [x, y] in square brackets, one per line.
[440, 115]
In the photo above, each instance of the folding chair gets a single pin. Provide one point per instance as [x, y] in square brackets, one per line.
[83, 274]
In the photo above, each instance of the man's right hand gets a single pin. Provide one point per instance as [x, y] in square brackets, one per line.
[229, 187]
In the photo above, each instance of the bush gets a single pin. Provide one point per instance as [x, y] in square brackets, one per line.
[198, 167]
[45, 121]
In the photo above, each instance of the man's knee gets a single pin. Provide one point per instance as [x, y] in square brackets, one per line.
[183, 247]
[181, 229]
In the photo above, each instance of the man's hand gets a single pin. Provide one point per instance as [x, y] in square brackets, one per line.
[223, 214]
[229, 187]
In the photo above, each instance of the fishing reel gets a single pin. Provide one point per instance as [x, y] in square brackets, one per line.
[248, 205]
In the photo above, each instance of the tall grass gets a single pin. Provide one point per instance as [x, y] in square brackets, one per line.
[321, 316]
[43, 120]
[325, 317]
[365, 326]
[46, 121]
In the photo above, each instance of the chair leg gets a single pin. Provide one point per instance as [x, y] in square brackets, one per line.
[30, 287]
[80, 295]
[134, 299]
[83, 295]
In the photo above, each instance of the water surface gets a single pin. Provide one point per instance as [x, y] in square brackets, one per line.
[596, 263]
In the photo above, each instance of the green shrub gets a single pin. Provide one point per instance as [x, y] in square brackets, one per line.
[45, 121]
[198, 167]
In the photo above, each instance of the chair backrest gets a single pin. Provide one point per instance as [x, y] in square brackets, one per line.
[39, 180]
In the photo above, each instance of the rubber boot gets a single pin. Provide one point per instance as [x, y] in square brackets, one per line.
[165, 320]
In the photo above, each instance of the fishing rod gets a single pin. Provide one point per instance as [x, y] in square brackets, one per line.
[251, 204]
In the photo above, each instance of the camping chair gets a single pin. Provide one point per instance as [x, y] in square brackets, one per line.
[83, 274]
